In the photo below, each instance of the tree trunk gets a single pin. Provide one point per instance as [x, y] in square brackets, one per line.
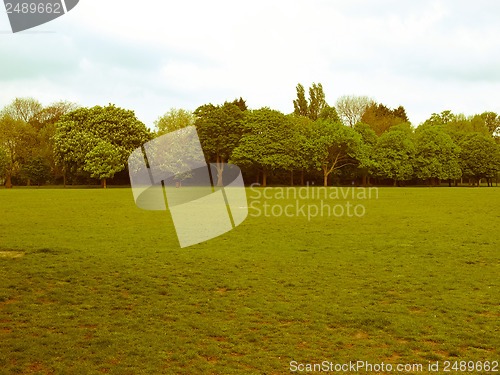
[291, 177]
[302, 177]
[103, 183]
[478, 182]
[64, 180]
[395, 183]
[219, 176]
[220, 168]
[449, 182]
[368, 180]
[8, 184]
[264, 178]
[28, 183]
[325, 179]
[364, 181]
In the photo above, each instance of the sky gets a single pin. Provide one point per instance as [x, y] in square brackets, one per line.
[153, 55]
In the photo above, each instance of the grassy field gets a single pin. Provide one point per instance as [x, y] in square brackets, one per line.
[91, 284]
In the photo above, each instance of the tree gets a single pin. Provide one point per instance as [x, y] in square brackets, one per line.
[437, 156]
[13, 134]
[174, 119]
[302, 132]
[34, 131]
[300, 105]
[381, 118]
[351, 108]
[440, 119]
[460, 123]
[480, 157]
[4, 162]
[369, 139]
[394, 154]
[82, 130]
[45, 124]
[492, 122]
[219, 129]
[329, 113]
[333, 146]
[317, 102]
[24, 109]
[240, 103]
[103, 161]
[316, 107]
[267, 142]
[401, 113]
[52, 113]
[37, 170]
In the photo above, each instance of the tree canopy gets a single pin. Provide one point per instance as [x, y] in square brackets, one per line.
[83, 134]
[357, 139]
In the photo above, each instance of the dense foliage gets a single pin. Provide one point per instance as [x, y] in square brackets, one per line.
[356, 141]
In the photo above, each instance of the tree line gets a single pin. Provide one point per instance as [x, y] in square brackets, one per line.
[356, 140]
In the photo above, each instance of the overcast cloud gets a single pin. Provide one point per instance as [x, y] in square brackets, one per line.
[152, 55]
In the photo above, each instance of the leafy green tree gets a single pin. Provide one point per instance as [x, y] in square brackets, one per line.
[302, 132]
[453, 123]
[394, 154]
[80, 131]
[35, 129]
[480, 157]
[4, 162]
[317, 102]
[37, 170]
[437, 156]
[174, 119]
[301, 108]
[440, 119]
[329, 113]
[14, 136]
[267, 142]
[333, 146]
[219, 129]
[369, 139]
[103, 161]
[316, 107]
[24, 111]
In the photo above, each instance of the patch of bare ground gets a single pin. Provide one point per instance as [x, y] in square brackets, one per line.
[11, 254]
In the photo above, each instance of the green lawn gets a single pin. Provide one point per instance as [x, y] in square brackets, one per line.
[103, 286]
